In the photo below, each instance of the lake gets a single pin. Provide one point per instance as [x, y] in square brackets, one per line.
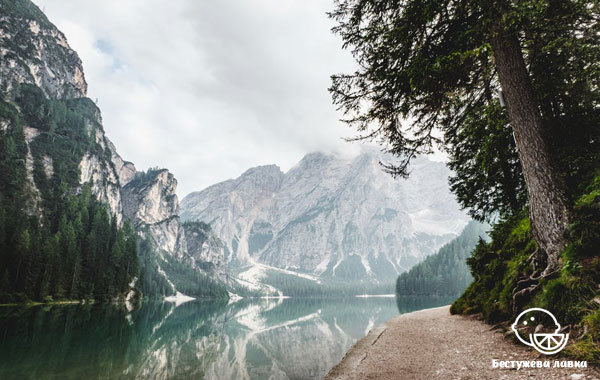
[294, 338]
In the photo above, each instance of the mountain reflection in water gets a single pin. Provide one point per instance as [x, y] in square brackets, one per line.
[292, 338]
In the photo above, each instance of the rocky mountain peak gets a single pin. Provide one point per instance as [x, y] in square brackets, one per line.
[263, 170]
[266, 179]
[34, 51]
[314, 158]
[150, 197]
[332, 216]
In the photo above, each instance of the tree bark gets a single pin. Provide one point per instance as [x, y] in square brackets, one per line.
[548, 207]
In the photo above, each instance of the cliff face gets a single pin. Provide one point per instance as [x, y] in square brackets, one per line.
[207, 250]
[104, 169]
[34, 51]
[150, 202]
[41, 78]
[332, 217]
[232, 207]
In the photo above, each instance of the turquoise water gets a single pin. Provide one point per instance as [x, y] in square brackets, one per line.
[249, 339]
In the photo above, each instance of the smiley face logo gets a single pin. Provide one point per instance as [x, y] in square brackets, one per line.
[538, 328]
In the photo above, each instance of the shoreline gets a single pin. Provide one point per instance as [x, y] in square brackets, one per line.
[232, 298]
[35, 303]
[432, 344]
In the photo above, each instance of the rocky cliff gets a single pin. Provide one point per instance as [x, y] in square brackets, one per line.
[207, 250]
[150, 202]
[104, 169]
[332, 217]
[43, 103]
[34, 51]
[232, 207]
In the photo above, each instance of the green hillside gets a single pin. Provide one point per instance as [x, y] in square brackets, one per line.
[444, 273]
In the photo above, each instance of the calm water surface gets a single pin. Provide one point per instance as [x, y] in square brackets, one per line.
[249, 339]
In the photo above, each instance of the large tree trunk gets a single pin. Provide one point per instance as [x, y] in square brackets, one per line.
[548, 208]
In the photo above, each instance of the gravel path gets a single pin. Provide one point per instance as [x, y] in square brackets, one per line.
[432, 344]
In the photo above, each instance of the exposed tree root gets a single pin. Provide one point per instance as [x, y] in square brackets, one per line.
[542, 268]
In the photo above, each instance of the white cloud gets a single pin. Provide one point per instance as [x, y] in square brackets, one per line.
[209, 88]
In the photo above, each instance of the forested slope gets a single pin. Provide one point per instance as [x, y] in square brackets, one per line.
[56, 239]
[444, 273]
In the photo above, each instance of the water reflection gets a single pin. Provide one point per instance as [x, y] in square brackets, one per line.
[249, 339]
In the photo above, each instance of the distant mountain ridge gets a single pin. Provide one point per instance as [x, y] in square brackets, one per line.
[330, 217]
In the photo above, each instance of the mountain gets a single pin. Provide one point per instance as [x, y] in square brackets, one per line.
[330, 218]
[206, 249]
[76, 220]
[445, 273]
[150, 203]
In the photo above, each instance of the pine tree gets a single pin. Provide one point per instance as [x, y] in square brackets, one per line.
[21, 253]
[4, 281]
[32, 266]
[46, 270]
[131, 255]
[2, 233]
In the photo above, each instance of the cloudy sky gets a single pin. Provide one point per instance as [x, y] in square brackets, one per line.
[209, 88]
